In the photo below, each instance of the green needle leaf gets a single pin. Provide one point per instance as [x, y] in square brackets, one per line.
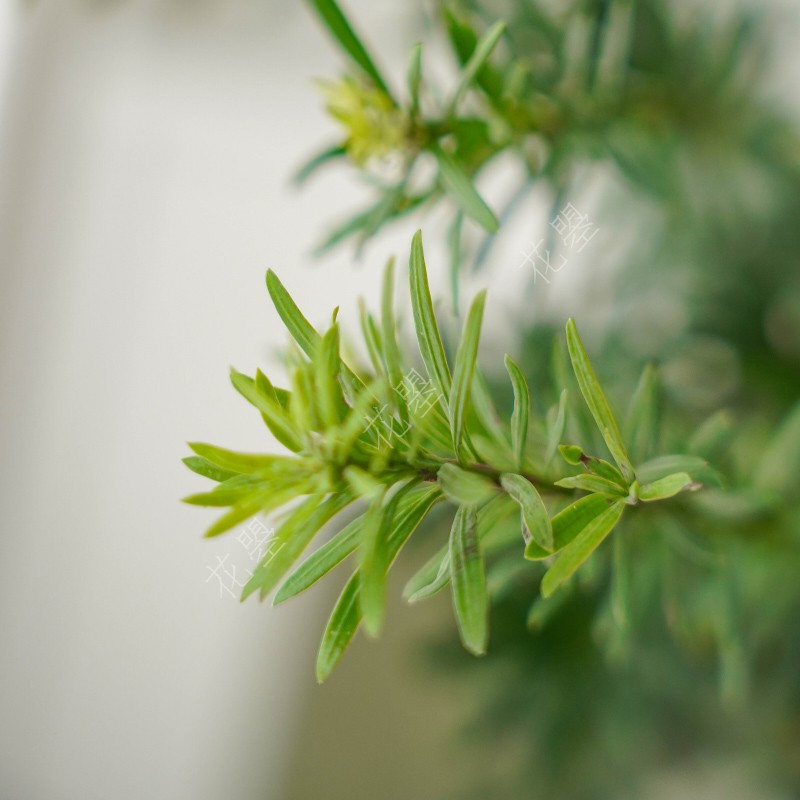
[342, 31]
[261, 394]
[435, 573]
[302, 331]
[346, 616]
[479, 57]
[414, 78]
[299, 327]
[535, 519]
[317, 161]
[208, 470]
[464, 370]
[592, 483]
[555, 430]
[521, 412]
[373, 565]
[330, 402]
[264, 501]
[567, 524]
[341, 627]
[577, 551]
[596, 401]
[642, 419]
[459, 186]
[321, 561]
[291, 538]
[391, 350]
[464, 487]
[430, 342]
[468, 580]
[667, 487]
[241, 462]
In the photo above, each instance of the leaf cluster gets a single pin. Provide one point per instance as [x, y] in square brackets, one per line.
[395, 443]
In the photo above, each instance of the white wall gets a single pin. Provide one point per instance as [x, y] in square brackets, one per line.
[146, 151]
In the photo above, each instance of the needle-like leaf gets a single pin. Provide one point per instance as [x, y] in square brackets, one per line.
[414, 78]
[667, 487]
[535, 519]
[468, 580]
[479, 57]
[291, 538]
[596, 401]
[464, 487]
[521, 412]
[343, 32]
[459, 186]
[430, 342]
[341, 627]
[464, 370]
[580, 548]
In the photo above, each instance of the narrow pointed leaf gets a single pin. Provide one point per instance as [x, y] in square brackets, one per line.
[580, 548]
[205, 468]
[536, 520]
[667, 487]
[464, 40]
[464, 370]
[521, 412]
[456, 260]
[330, 402]
[596, 401]
[321, 561]
[343, 32]
[241, 462]
[372, 565]
[391, 351]
[414, 77]
[460, 187]
[317, 161]
[642, 419]
[464, 487]
[341, 627]
[299, 327]
[229, 493]
[569, 522]
[431, 579]
[430, 342]
[291, 538]
[555, 429]
[261, 394]
[301, 330]
[261, 502]
[468, 581]
[477, 60]
[592, 483]
[435, 573]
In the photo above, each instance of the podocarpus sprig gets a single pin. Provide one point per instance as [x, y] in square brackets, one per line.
[396, 441]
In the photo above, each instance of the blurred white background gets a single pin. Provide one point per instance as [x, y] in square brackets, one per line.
[146, 154]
